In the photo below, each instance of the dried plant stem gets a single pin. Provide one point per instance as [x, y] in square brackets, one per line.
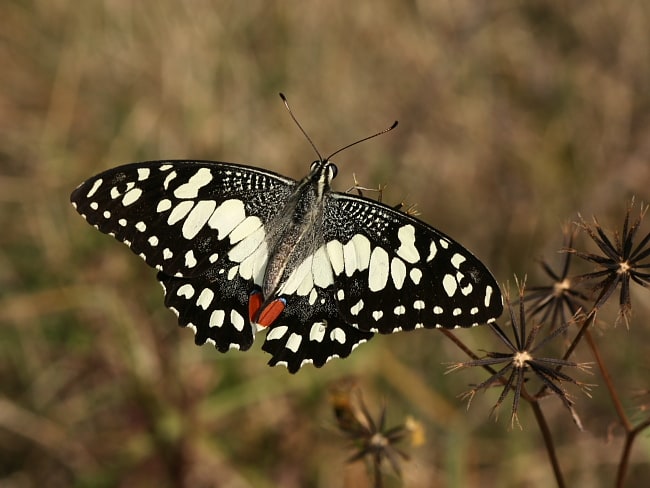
[589, 320]
[548, 442]
[616, 400]
[627, 450]
[378, 480]
[460, 344]
[630, 431]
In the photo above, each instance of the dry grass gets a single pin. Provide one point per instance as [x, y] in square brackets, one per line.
[513, 117]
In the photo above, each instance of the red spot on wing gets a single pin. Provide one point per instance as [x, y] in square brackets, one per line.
[264, 317]
[255, 301]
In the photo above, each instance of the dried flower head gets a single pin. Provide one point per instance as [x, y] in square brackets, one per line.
[557, 303]
[373, 441]
[621, 260]
[520, 360]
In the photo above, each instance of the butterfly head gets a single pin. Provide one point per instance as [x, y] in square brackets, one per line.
[323, 171]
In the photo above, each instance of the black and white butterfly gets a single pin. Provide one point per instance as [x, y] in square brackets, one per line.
[241, 249]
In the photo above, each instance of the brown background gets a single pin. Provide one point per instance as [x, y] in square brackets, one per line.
[514, 116]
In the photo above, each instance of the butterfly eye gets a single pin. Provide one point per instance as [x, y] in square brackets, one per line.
[314, 165]
[333, 170]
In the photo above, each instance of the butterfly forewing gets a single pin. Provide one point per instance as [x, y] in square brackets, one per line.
[182, 217]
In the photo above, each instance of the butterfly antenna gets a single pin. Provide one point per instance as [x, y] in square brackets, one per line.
[286, 104]
[361, 140]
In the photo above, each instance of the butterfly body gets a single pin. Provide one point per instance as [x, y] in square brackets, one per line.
[239, 249]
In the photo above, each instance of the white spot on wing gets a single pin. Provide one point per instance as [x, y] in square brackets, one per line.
[131, 197]
[179, 212]
[457, 260]
[248, 245]
[168, 179]
[153, 241]
[338, 335]
[416, 275]
[488, 296]
[190, 260]
[276, 332]
[449, 284]
[377, 314]
[198, 180]
[245, 228]
[399, 310]
[293, 343]
[216, 318]
[433, 250]
[141, 226]
[255, 264]
[312, 296]
[356, 254]
[418, 305]
[143, 173]
[321, 269]
[407, 249]
[205, 298]
[197, 218]
[297, 277]
[237, 320]
[163, 205]
[317, 331]
[378, 270]
[186, 291]
[356, 308]
[94, 188]
[335, 253]
[398, 272]
[227, 216]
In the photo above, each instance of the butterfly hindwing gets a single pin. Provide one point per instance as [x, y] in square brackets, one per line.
[312, 333]
[216, 309]
[396, 273]
[181, 216]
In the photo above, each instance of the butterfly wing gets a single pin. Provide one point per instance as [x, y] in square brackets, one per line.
[202, 225]
[311, 332]
[394, 272]
[181, 216]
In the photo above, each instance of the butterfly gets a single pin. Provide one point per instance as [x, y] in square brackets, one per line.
[240, 250]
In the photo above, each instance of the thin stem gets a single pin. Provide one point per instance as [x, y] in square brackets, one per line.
[548, 442]
[460, 344]
[589, 320]
[616, 400]
[627, 449]
[379, 482]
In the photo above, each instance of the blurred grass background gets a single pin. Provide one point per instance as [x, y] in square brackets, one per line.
[513, 117]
